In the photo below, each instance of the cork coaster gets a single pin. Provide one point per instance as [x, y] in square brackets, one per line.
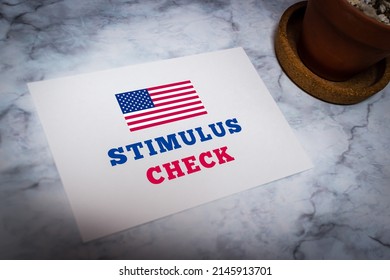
[352, 91]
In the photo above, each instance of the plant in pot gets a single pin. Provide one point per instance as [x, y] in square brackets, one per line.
[336, 50]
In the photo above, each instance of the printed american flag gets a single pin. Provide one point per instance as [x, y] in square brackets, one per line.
[153, 106]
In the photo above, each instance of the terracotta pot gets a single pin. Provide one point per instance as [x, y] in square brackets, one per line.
[339, 41]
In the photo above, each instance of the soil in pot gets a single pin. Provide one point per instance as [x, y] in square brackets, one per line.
[377, 9]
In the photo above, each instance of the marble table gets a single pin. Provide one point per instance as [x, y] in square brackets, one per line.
[338, 210]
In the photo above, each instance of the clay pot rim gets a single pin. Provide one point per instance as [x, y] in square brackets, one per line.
[365, 29]
[358, 13]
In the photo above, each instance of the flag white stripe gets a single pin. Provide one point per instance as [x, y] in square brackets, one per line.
[165, 118]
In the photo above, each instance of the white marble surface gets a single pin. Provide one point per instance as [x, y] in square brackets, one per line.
[338, 210]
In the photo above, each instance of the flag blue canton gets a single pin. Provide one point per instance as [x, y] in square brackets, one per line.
[134, 101]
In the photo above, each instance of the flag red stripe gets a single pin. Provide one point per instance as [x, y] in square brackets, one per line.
[169, 90]
[165, 115]
[173, 95]
[169, 85]
[168, 121]
[162, 110]
[178, 100]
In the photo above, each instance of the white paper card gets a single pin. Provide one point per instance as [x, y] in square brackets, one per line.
[141, 142]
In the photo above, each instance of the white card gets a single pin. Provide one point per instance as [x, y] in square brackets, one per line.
[138, 143]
